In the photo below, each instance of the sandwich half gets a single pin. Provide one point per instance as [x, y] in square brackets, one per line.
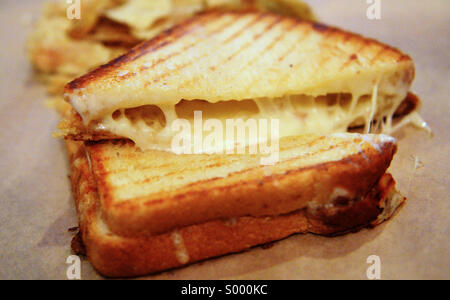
[143, 208]
[313, 78]
[144, 212]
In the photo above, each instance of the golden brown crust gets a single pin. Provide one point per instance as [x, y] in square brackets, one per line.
[116, 256]
[71, 127]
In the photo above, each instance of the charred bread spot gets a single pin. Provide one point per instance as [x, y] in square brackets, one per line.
[355, 214]
[342, 201]
[410, 104]
[320, 27]
[73, 229]
[267, 245]
[77, 245]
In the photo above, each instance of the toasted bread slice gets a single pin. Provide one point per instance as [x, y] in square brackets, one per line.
[114, 255]
[202, 59]
[313, 78]
[146, 193]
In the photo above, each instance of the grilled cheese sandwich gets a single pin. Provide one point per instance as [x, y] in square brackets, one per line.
[144, 210]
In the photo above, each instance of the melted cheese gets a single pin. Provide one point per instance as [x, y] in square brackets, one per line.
[296, 114]
[181, 252]
[373, 108]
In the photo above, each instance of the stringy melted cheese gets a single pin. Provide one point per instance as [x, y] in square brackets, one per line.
[150, 126]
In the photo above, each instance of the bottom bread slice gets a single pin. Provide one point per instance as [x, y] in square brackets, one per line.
[117, 256]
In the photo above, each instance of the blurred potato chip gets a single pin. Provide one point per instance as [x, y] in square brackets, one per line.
[294, 8]
[155, 29]
[51, 50]
[53, 9]
[54, 82]
[140, 14]
[57, 103]
[112, 33]
[61, 55]
[229, 3]
[91, 10]
[187, 7]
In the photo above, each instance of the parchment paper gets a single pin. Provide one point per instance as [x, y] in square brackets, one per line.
[37, 206]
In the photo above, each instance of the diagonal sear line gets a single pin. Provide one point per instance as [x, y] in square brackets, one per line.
[237, 34]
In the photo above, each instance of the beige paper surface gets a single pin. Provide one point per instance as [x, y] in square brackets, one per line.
[37, 206]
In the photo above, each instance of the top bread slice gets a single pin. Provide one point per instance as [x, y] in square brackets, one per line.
[220, 56]
[146, 193]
